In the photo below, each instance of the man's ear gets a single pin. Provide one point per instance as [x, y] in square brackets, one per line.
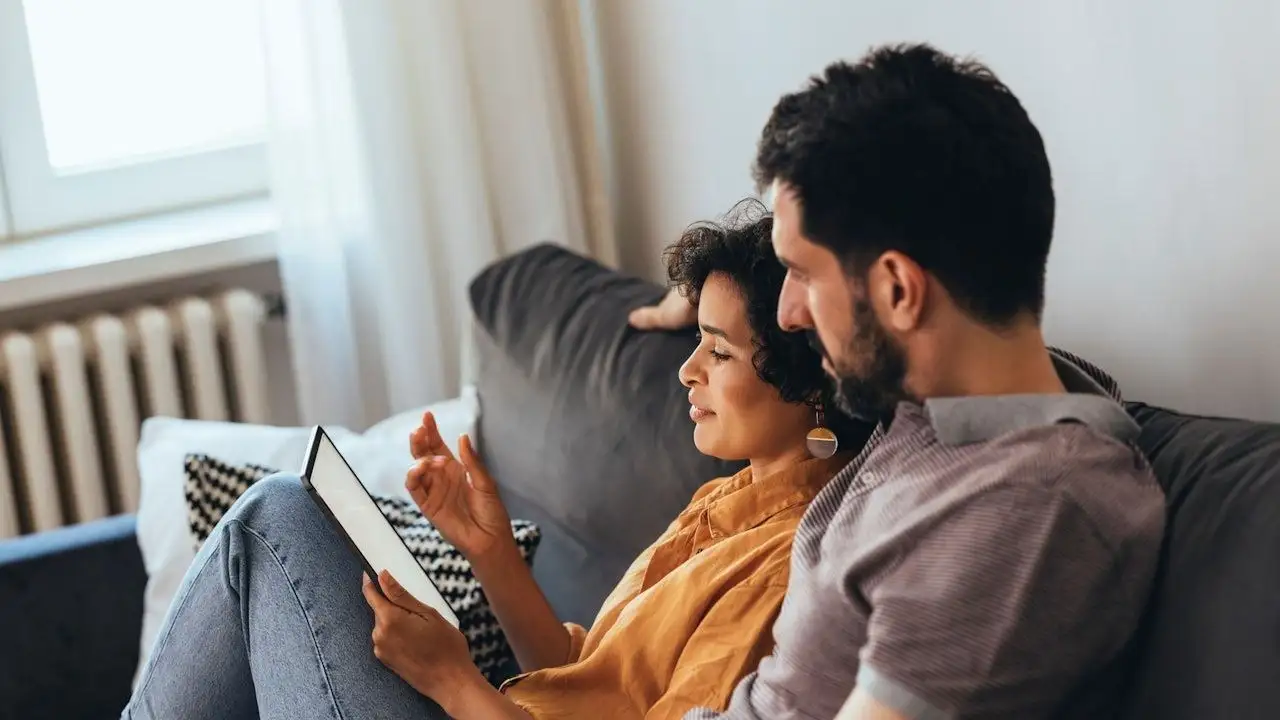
[898, 288]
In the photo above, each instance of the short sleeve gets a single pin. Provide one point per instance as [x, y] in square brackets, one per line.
[1000, 608]
[577, 638]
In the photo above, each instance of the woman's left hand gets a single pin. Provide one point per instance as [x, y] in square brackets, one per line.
[419, 645]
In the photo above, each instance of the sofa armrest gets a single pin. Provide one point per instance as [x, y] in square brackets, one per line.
[70, 618]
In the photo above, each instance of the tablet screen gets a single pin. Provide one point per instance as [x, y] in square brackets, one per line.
[351, 506]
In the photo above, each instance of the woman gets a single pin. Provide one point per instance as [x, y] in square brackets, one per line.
[268, 623]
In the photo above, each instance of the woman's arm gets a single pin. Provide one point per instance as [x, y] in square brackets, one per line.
[480, 701]
[420, 646]
[461, 499]
[537, 637]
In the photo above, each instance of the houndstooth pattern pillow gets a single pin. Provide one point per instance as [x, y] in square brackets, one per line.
[212, 487]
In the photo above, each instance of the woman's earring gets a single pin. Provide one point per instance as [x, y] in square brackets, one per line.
[822, 443]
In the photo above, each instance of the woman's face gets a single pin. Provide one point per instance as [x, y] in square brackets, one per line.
[736, 415]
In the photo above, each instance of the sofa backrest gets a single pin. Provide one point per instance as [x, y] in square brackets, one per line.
[1210, 644]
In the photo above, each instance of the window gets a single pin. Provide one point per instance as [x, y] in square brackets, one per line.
[117, 108]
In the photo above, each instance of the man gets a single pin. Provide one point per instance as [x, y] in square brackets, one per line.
[990, 551]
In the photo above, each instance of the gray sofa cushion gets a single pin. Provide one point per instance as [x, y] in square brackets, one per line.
[1211, 641]
[583, 421]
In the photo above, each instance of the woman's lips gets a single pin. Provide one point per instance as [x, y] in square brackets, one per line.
[698, 414]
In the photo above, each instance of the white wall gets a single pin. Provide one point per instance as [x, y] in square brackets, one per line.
[1161, 120]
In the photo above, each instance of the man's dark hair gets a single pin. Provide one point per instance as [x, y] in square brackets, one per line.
[739, 247]
[914, 150]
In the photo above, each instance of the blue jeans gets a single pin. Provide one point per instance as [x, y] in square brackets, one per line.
[270, 622]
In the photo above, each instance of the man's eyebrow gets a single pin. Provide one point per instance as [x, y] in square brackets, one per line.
[787, 263]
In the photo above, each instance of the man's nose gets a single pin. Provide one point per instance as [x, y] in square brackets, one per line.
[792, 312]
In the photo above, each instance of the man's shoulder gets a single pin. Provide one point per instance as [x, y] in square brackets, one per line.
[1071, 468]
[1065, 469]
[1065, 451]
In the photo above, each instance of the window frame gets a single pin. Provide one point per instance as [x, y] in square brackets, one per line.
[39, 200]
[6, 229]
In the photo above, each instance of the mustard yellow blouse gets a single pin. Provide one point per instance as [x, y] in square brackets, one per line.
[693, 614]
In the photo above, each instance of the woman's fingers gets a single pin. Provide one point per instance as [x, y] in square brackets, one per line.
[375, 599]
[416, 483]
[396, 593]
[480, 478]
[426, 440]
[431, 483]
[418, 442]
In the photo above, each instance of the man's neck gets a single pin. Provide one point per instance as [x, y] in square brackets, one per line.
[979, 360]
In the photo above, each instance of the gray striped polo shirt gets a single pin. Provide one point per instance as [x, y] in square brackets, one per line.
[982, 557]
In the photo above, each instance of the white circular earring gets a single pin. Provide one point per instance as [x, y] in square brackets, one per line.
[821, 442]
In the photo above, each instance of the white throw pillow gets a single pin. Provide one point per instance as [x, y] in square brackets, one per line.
[380, 456]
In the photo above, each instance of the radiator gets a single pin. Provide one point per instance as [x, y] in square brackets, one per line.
[73, 395]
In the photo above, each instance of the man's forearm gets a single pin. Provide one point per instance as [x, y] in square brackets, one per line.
[537, 637]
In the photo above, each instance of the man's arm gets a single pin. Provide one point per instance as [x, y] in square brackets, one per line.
[673, 312]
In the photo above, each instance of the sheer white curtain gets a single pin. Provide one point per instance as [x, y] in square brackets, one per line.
[412, 142]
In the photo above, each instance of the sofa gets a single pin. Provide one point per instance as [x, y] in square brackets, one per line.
[584, 425]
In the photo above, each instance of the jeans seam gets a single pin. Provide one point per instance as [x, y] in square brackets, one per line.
[324, 669]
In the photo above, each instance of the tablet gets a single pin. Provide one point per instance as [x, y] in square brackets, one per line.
[334, 486]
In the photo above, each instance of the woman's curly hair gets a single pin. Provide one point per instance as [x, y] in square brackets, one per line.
[740, 248]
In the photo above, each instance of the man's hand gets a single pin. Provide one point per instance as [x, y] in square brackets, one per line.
[419, 645]
[672, 313]
[862, 706]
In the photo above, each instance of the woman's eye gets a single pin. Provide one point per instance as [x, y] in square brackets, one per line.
[719, 356]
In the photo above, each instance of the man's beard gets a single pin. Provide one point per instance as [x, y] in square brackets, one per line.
[870, 379]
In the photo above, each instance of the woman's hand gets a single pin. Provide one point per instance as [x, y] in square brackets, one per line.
[457, 496]
[461, 499]
[420, 646]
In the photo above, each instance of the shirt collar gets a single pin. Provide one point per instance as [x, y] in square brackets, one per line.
[972, 419]
[743, 502]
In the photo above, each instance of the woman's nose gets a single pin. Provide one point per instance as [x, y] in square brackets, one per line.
[688, 372]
